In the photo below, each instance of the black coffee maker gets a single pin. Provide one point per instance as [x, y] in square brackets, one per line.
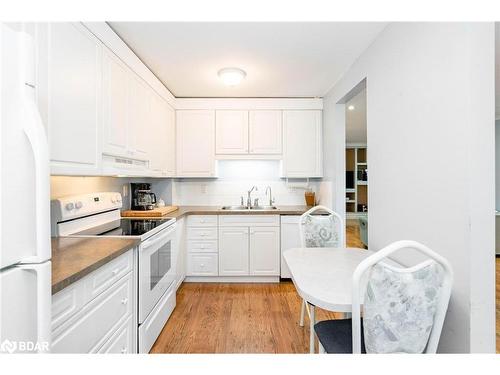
[142, 197]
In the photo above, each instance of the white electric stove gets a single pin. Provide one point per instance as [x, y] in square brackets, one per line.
[98, 214]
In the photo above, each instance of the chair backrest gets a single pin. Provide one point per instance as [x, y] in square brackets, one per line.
[321, 230]
[404, 308]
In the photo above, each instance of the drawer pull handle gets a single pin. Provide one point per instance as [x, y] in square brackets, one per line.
[123, 351]
[124, 301]
[202, 265]
[115, 272]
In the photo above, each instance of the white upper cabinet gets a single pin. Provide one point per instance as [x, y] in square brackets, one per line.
[265, 132]
[115, 106]
[69, 96]
[170, 146]
[140, 129]
[127, 101]
[231, 132]
[302, 143]
[162, 137]
[256, 132]
[195, 134]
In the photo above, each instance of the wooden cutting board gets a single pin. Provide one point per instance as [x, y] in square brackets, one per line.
[156, 212]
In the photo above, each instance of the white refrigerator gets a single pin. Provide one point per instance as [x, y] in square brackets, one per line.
[25, 252]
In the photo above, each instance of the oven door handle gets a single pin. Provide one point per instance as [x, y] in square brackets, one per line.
[159, 238]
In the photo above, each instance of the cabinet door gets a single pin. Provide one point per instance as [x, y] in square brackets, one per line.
[195, 130]
[115, 105]
[231, 132]
[302, 137]
[169, 146]
[264, 251]
[69, 96]
[265, 132]
[158, 155]
[141, 130]
[233, 251]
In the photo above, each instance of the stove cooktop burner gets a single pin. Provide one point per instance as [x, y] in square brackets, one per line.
[124, 227]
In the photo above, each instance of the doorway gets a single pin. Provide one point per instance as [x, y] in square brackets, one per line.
[356, 169]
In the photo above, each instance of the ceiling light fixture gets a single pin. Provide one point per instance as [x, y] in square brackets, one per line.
[231, 76]
[350, 108]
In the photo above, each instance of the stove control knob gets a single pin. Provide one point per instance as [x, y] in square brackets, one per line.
[118, 198]
[113, 200]
[78, 205]
[70, 206]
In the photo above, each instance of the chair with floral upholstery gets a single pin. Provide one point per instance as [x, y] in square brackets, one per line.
[323, 229]
[403, 307]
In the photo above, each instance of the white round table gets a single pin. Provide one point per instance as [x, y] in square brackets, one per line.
[323, 277]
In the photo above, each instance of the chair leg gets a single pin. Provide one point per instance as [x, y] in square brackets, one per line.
[312, 321]
[302, 312]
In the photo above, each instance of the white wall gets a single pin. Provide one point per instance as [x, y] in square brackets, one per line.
[497, 164]
[430, 107]
[235, 178]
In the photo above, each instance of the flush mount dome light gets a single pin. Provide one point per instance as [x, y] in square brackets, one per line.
[351, 108]
[231, 76]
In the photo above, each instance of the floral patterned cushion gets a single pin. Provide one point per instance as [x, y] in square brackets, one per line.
[320, 231]
[400, 306]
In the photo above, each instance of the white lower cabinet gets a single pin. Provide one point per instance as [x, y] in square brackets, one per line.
[96, 313]
[233, 251]
[202, 249]
[264, 251]
[91, 327]
[249, 245]
[122, 342]
[233, 247]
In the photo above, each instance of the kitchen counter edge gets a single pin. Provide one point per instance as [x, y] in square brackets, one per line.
[73, 258]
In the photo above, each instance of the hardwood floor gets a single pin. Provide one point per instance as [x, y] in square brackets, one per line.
[236, 318]
[353, 238]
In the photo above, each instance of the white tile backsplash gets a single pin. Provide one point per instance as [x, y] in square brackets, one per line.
[235, 179]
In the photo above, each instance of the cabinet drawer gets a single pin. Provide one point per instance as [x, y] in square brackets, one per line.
[101, 279]
[122, 340]
[95, 323]
[202, 233]
[203, 264]
[202, 221]
[209, 246]
[249, 220]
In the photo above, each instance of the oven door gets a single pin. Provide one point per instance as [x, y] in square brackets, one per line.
[156, 269]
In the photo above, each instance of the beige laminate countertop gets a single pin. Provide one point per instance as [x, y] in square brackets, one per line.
[217, 210]
[73, 258]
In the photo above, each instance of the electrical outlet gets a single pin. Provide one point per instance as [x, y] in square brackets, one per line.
[203, 189]
[125, 190]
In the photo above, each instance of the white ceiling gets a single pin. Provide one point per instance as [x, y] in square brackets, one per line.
[293, 59]
[356, 119]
